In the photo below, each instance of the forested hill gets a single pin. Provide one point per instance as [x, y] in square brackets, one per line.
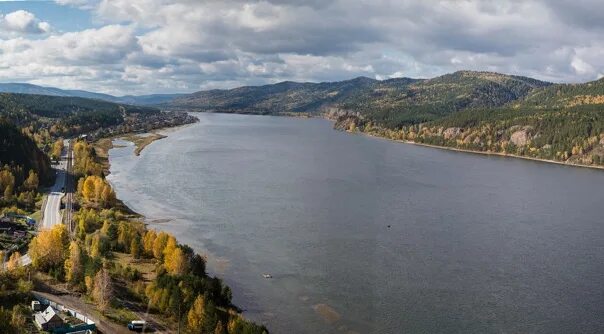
[71, 115]
[478, 111]
[566, 95]
[18, 150]
[393, 102]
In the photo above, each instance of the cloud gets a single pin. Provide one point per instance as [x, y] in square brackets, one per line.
[146, 46]
[22, 21]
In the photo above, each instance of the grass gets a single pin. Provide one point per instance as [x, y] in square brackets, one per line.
[121, 315]
[145, 266]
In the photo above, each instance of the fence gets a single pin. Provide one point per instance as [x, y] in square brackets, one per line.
[88, 326]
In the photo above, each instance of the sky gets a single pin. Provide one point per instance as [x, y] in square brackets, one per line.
[125, 47]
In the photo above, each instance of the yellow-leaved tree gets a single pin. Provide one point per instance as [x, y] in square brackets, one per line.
[49, 248]
[196, 315]
[74, 266]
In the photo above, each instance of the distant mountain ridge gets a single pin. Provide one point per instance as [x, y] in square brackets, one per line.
[25, 88]
[392, 102]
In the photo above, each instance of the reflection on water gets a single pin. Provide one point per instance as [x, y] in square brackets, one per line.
[370, 236]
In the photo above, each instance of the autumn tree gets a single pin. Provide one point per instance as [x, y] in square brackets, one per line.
[32, 181]
[94, 189]
[149, 242]
[176, 262]
[103, 289]
[196, 315]
[7, 183]
[57, 149]
[98, 245]
[74, 265]
[135, 247]
[159, 244]
[49, 248]
[220, 329]
[13, 262]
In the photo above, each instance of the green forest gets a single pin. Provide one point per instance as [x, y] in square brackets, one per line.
[477, 111]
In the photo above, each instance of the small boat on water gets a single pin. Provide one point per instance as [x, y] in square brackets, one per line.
[267, 275]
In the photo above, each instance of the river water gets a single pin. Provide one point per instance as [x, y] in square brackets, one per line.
[370, 236]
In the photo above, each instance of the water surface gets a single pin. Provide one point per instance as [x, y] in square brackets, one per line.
[371, 236]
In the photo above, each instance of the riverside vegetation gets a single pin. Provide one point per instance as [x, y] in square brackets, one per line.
[115, 260]
[477, 111]
[110, 257]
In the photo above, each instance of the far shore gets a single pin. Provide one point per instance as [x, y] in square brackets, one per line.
[505, 155]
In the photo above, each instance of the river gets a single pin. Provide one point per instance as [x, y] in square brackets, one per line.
[364, 235]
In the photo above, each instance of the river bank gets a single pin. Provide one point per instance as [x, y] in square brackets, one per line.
[317, 219]
[228, 312]
[499, 154]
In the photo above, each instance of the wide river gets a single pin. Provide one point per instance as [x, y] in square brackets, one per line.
[371, 236]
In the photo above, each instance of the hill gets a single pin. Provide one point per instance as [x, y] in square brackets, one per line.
[566, 95]
[59, 116]
[392, 102]
[478, 111]
[16, 149]
[25, 88]
[283, 97]
[70, 112]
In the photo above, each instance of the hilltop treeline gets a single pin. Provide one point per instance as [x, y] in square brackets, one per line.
[392, 103]
[479, 111]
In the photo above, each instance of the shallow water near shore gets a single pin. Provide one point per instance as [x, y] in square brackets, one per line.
[372, 236]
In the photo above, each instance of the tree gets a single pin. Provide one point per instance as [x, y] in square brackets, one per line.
[220, 328]
[74, 266]
[31, 183]
[88, 189]
[107, 196]
[49, 248]
[19, 316]
[98, 245]
[196, 315]
[149, 241]
[57, 149]
[176, 262]
[7, 183]
[103, 289]
[135, 247]
[89, 283]
[6, 325]
[159, 244]
[13, 261]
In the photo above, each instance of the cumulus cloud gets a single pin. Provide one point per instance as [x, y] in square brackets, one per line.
[161, 45]
[22, 21]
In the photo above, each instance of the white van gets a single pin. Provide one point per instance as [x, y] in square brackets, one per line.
[137, 325]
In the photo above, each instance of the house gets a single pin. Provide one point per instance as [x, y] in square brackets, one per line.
[36, 306]
[48, 319]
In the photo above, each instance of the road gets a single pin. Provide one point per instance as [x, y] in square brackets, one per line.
[52, 209]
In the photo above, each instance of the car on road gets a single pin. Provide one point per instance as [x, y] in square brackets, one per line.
[137, 325]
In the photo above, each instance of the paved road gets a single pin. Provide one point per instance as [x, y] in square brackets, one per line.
[52, 210]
